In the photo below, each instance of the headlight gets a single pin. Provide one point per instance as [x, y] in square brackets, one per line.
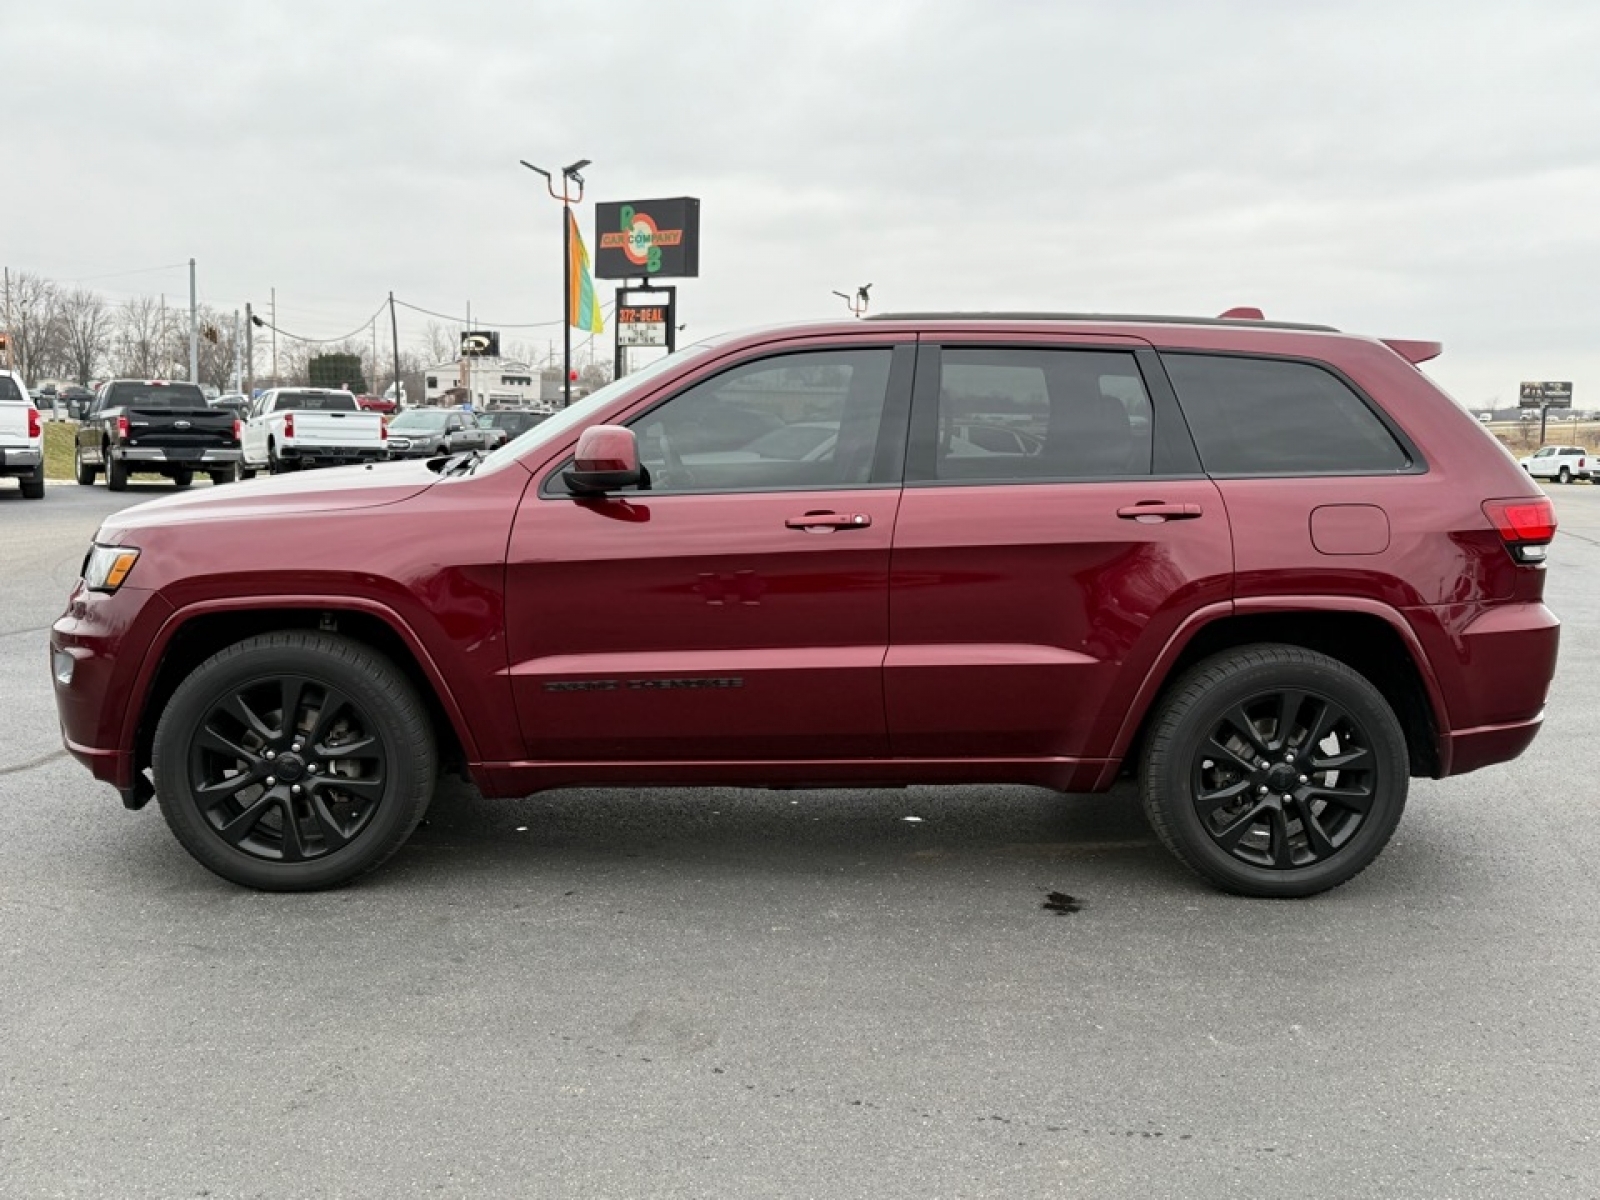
[107, 567]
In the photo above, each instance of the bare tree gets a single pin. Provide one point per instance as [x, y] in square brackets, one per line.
[140, 335]
[441, 343]
[34, 325]
[86, 329]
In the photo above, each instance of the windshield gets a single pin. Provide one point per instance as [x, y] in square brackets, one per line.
[154, 395]
[427, 422]
[582, 412]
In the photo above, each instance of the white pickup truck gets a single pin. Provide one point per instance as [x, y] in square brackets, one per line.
[1561, 463]
[289, 428]
[21, 437]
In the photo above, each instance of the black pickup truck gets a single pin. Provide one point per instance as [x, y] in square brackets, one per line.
[155, 427]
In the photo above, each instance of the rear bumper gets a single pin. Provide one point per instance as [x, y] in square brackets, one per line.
[333, 456]
[20, 459]
[175, 457]
[1494, 666]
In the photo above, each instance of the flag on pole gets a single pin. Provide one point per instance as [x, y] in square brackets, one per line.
[582, 311]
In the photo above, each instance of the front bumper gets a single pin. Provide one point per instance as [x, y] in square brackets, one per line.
[333, 456]
[97, 651]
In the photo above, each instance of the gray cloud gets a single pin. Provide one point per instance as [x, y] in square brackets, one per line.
[1420, 170]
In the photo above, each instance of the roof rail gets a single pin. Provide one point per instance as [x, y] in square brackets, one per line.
[1103, 318]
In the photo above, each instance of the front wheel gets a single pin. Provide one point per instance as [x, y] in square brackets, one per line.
[1272, 770]
[294, 761]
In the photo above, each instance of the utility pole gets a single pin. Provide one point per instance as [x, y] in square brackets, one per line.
[194, 330]
[249, 352]
[236, 378]
[8, 318]
[394, 332]
[274, 337]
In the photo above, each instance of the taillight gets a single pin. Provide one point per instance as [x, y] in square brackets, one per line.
[383, 431]
[288, 424]
[35, 425]
[122, 429]
[237, 428]
[1526, 526]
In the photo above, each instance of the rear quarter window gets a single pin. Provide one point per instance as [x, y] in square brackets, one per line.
[1261, 416]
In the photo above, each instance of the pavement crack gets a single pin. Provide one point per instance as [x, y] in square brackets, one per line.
[37, 762]
[19, 632]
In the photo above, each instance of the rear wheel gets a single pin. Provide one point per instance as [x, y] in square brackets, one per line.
[33, 485]
[227, 475]
[1566, 475]
[1275, 771]
[246, 472]
[294, 761]
[116, 473]
[82, 471]
[183, 478]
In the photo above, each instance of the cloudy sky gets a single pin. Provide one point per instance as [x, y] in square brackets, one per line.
[1393, 168]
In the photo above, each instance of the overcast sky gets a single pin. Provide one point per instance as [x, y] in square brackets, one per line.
[1397, 169]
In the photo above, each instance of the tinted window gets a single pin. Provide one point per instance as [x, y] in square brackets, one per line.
[153, 395]
[9, 389]
[798, 420]
[1258, 416]
[320, 401]
[1011, 414]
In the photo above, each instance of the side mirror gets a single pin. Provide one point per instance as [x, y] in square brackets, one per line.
[607, 459]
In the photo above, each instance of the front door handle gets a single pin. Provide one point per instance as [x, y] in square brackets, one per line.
[1152, 512]
[821, 522]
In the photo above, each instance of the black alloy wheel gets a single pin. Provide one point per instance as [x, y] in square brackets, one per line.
[294, 761]
[1275, 771]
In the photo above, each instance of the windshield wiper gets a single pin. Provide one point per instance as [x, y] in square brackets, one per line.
[463, 462]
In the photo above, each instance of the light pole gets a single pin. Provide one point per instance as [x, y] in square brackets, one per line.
[569, 176]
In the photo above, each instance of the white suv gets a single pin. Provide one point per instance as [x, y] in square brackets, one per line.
[1561, 463]
[21, 437]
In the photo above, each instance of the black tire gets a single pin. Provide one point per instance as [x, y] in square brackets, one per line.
[246, 472]
[33, 485]
[275, 465]
[82, 471]
[1566, 475]
[228, 474]
[116, 474]
[356, 720]
[1225, 816]
[182, 479]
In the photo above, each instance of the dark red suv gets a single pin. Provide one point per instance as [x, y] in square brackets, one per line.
[1271, 569]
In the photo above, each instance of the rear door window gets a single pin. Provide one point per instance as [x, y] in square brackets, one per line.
[1262, 416]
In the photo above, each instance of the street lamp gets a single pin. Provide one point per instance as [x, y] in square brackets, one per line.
[858, 303]
[569, 176]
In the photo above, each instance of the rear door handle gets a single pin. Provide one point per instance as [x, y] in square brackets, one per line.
[1152, 512]
[820, 522]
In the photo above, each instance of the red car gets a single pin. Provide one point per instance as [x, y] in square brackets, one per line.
[375, 404]
[1271, 569]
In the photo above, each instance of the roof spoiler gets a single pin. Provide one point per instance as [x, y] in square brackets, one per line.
[1414, 352]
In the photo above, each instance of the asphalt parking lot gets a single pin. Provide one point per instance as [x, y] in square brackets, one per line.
[747, 994]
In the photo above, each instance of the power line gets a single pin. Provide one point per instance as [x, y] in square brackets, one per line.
[360, 329]
[484, 322]
[123, 274]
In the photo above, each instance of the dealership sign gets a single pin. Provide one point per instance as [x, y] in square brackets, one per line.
[648, 239]
[1547, 395]
[643, 324]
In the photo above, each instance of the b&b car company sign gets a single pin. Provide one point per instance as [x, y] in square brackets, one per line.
[648, 239]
